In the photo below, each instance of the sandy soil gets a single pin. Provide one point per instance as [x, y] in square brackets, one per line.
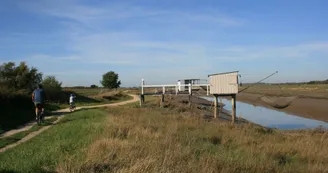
[305, 107]
[59, 112]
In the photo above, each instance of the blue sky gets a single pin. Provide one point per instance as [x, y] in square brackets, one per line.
[162, 41]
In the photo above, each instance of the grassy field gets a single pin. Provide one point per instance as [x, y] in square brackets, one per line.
[18, 136]
[114, 97]
[20, 110]
[305, 90]
[88, 97]
[131, 139]
[87, 91]
[65, 139]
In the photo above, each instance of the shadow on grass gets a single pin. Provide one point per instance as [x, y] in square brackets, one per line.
[40, 170]
[8, 171]
[69, 119]
[63, 102]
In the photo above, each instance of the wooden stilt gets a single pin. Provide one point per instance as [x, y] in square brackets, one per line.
[233, 112]
[162, 101]
[141, 99]
[215, 106]
[189, 100]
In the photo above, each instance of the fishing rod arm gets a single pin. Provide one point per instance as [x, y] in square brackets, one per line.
[258, 81]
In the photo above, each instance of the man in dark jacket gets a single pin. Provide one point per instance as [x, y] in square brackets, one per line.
[38, 97]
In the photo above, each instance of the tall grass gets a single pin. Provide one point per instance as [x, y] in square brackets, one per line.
[157, 140]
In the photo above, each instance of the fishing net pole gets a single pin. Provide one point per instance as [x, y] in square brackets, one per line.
[279, 102]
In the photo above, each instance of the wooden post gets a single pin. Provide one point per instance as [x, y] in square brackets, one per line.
[162, 101]
[190, 94]
[215, 106]
[189, 100]
[233, 112]
[142, 99]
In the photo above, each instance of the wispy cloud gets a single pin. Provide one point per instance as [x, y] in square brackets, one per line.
[86, 14]
[168, 43]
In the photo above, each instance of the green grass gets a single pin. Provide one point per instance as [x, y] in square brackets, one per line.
[18, 136]
[20, 110]
[96, 101]
[131, 139]
[65, 139]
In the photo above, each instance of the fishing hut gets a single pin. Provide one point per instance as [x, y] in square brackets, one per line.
[220, 85]
[224, 84]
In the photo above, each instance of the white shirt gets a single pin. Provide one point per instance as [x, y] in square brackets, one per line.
[71, 99]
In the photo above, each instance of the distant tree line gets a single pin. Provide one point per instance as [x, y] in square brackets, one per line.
[292, 83]
[83, 87]
[318, 82]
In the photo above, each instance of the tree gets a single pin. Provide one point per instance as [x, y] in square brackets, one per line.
[93, 86]
[51, 82]
[52, 88]
[20, 77]
[110, 80]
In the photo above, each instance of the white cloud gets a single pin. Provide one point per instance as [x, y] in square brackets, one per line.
[91, 41]
[90, 15]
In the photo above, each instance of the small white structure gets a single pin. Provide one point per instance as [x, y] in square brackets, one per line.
[224, 83]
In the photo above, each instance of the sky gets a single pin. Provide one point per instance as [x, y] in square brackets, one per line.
[162, 41]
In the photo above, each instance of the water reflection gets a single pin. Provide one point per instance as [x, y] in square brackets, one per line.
[271, 118]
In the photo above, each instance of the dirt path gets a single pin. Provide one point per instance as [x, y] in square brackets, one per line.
[61, 112]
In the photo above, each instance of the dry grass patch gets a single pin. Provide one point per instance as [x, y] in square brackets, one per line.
[160, 140]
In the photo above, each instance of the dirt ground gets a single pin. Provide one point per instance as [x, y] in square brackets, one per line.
[200, 106]
[313, 108]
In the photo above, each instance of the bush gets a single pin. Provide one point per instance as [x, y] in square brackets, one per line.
[52, 88]
[16, 109]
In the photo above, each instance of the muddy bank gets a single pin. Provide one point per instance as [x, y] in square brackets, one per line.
[199, 106]
[305, 107]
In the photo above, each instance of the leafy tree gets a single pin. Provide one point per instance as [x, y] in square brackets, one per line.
[19, 77]
[110, 80]
[51, 82]
[93, 86]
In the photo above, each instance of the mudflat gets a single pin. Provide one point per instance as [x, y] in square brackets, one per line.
[313, 108]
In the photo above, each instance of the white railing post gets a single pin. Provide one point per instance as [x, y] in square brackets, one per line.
[142, 86]
[189, 88]
[176, 90]
[207, 90]
[163, 89]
